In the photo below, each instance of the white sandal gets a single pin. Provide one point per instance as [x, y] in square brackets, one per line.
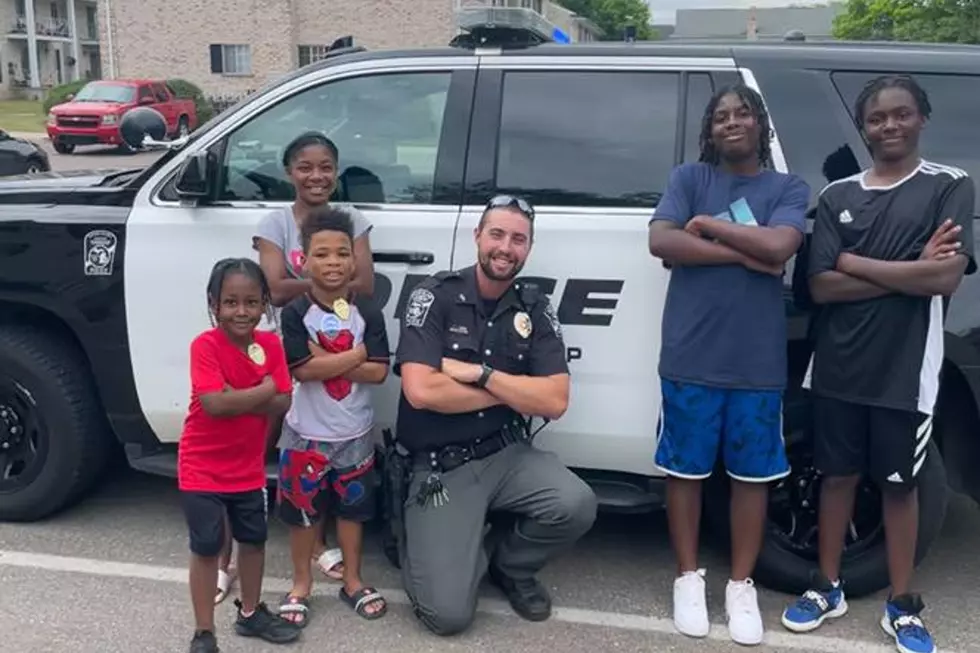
[327, 562]
[225, 583]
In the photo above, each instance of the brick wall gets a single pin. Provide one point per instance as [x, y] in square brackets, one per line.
[171, 38]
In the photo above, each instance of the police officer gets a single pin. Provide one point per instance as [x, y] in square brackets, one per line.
[478, 352]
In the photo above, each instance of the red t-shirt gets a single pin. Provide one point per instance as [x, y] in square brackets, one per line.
[227, 454]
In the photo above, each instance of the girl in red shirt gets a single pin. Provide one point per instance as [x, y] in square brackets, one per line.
[240, 386]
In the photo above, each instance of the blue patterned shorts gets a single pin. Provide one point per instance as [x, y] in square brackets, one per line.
[697, 421]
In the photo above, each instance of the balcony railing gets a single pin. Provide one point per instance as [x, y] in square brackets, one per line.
[55, 27]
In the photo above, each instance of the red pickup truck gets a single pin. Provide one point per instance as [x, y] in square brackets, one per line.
[93, 114]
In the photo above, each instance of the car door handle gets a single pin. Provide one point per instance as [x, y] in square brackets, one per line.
[412, 258]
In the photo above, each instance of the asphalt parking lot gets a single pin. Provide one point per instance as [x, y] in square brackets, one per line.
[110, 575]
[95, 157]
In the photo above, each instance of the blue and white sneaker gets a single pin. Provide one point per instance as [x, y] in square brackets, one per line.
[814, 607]
[901, 620]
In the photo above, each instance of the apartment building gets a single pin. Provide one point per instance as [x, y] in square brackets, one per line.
[228, 47]
[44, 43]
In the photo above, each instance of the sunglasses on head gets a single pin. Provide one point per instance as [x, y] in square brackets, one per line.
[509, 201]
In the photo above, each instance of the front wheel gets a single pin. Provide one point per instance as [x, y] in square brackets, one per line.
[54, 438]
[789, 552]
[63, 148]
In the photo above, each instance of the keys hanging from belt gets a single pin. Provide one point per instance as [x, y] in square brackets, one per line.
[432, 491]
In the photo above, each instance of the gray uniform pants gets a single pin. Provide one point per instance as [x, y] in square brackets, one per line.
[444, 559]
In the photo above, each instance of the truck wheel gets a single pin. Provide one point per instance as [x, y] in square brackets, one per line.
[789, 552]
[54, 438]
[63, 148]
[183, 127]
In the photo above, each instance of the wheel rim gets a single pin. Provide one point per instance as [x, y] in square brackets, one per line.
[794, 504]
[33, 169]
[184, 130]
[23, 445]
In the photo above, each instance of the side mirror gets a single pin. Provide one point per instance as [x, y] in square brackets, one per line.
[140, 124]
[69, 97]
[193, 177]
[146, 100]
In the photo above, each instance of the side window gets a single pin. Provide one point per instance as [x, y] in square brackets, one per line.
[587, 138]
[386, 127]
[161, 93]
[951, 136]
[699, 92]
[145, 92]
[814, 133]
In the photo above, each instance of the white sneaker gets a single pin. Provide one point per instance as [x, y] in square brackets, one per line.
[690, 606]
[742, 607]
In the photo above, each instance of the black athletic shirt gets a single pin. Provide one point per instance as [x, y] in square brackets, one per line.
[887, 351]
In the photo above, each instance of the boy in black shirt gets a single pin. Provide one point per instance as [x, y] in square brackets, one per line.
[890, 244]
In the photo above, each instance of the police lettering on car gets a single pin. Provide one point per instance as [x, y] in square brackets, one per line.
[479, 350]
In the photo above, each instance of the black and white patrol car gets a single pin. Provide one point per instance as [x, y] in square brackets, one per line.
[102, 276]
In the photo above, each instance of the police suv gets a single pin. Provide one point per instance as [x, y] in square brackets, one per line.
[102, 275]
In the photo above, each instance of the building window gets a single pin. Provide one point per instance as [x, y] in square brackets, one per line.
[231, 59]
[312, 53]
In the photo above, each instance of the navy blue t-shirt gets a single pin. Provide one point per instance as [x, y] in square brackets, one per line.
[725, 325]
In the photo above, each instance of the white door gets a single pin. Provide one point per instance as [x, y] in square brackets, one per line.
[389, 124]
[594, 168]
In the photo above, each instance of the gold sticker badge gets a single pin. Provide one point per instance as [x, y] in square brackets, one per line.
[522, 324]
[256, 353]
[341, 308]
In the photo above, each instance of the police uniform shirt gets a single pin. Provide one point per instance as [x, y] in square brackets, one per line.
[445, 317]
[888, 351]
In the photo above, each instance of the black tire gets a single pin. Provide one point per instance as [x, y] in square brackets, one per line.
[786, 562]
[51, 384]
[63, 148]
[35, 165]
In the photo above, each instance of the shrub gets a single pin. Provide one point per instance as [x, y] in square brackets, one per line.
[59, 94]
[185, 89]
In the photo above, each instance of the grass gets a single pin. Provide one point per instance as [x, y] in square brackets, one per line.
[21, 116]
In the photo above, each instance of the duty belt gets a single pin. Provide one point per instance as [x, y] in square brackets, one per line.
[453, 456]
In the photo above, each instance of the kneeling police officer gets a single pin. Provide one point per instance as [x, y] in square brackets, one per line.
[477, 352]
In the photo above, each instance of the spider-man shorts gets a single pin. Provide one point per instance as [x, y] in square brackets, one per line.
[317, 476]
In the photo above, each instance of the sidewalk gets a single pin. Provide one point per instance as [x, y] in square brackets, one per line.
[31, 136]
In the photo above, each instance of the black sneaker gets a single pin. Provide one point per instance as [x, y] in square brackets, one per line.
[265, 625]
[527, 596]
[204, 642]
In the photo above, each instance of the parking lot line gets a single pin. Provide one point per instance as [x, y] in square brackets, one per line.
[619, 620]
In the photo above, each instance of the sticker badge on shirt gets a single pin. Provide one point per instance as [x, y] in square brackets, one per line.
[742, 212]
[330, 325]
[256, 353]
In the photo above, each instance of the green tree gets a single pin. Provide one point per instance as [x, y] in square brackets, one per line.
[933, 21]
[613, 16]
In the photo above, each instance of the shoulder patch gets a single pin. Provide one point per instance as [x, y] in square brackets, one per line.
[417, 309]
[552, 316]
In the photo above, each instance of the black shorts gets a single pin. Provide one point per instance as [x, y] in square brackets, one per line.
[205, 514]
[890, 445]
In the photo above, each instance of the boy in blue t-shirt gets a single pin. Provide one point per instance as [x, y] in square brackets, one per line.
[726, 225]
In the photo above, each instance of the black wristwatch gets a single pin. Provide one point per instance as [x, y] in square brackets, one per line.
[484, 376]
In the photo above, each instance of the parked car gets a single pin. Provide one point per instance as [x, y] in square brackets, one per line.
[100, 290]
[19, 156]
[92, 116]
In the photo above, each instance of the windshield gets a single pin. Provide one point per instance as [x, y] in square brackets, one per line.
[105, 93]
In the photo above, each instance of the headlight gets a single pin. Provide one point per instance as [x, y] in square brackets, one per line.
[52, 119]
[110, 119]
